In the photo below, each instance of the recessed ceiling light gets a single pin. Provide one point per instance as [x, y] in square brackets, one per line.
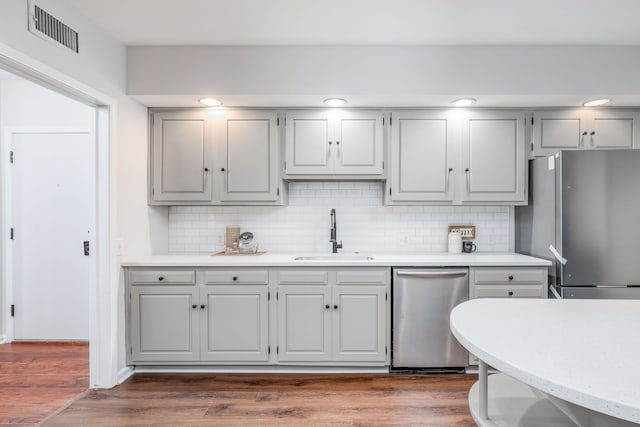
[211, 102]
[464, 102]
[596, 102]
[335, 102]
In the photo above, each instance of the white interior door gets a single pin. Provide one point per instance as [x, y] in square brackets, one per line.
[52, 215]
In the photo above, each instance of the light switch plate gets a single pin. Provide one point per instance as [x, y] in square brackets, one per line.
[468, 232]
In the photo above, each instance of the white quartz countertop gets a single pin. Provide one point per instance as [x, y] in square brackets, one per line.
[582, 351]
[343, 259]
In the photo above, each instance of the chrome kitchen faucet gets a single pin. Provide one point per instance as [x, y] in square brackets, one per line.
[334, 234]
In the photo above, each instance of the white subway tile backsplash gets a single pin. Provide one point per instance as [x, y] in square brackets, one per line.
[364, 223]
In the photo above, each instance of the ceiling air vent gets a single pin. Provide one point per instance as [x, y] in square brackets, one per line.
[44, 24]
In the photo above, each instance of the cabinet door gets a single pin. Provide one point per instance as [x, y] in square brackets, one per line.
[612, 129]
[308, 140]
[358, 143]
[304, 323]
[422, 157]
[164, 324]
[249, 167]
[180, 146]
[359, 324]
[235, 323]
[493, 157]
[558, 130]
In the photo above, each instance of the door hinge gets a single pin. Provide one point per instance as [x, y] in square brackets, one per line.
[86, 247]
[10, 156]
[13, 310]
[11, 233]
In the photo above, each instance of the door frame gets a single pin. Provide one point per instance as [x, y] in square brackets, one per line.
[6, 144]
[103, 292]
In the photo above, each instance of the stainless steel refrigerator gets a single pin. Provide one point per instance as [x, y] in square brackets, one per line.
[584, 216]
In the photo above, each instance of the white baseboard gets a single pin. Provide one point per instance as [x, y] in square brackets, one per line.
[124, 374]
[261, 370]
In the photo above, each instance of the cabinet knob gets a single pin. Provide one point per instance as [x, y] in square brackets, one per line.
[335, 307]
[327, 306]
[194, 306]
[329, 142]
[161, 278]
[221, 169]
[467, 170]
[593, 133]
[202, 306]
[337, 142]
[510, 293]
[584, 133]
[235, 277]
[450, 169]
[510, 277]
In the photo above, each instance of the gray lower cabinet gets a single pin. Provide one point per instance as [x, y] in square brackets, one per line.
[507, 282]
[333, 316]
[221, 322]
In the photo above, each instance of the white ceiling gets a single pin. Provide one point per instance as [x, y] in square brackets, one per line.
[367, 22]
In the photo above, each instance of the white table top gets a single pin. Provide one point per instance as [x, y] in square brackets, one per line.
[586, 352]
[489, 259]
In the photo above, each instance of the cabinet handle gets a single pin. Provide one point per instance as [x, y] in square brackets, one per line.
[446, 186]
[221, 169]
[206, 169]
[161, 278]
[510, 277]
[327, 306]
[593, 133]
[194, 306]
[337, 142]
[335, 307]
[510, 293]
[235, 277]
[202, 306]
[329, 142]
[584, 133]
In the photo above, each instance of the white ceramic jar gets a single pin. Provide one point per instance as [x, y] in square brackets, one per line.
[455, 242]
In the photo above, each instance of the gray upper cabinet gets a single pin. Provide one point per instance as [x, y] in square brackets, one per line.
[180, 163]
[248, 153]
[200, 158]
[580, 129]
[493, 157]
[321, 144]
[423, 157]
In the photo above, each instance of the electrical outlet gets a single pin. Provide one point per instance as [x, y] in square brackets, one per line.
[468, 232]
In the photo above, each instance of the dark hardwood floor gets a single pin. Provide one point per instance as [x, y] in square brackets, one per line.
[275, 399]
[38, 378]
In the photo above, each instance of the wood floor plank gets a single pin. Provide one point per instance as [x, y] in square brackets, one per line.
[276, 399]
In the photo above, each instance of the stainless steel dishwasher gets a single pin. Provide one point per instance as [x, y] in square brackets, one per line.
[422, 301]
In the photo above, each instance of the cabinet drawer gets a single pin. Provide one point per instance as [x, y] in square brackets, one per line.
[303, 277]
[510, 275]
[156, 277]
[502, 291]
[363, 277]
[252, 277]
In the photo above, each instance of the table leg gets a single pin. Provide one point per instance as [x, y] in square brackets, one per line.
[483, 398]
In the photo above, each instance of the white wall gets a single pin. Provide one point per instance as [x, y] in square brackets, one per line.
[364, 224]
[400, 71]
[99, 69]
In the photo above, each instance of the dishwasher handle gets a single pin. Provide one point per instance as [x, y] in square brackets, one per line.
[431, 274]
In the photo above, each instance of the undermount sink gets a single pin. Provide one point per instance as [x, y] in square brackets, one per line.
[334, 257]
